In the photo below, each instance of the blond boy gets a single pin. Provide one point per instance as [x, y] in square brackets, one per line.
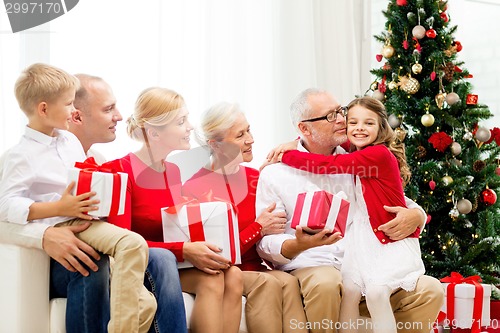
[34, 189]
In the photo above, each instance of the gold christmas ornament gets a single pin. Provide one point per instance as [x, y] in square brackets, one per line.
[400, 134]
[416, 68]
[452, 98]
[393, 85]
[387, 51]
[409, 85]
[374, 86]
[427, 120]
[447, 180]
[440, 98]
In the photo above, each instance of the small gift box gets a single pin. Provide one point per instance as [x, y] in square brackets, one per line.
[318, 210]
[106, 180]
[211, 222]
[467, 302]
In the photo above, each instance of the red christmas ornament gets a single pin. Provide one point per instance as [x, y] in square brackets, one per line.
[432, 185]
[444, 17]
[379, 57]
[458, 45]
[405, 44]
[471, 99]
[488, 197]
[431, 33]
[440, 141]
[497, 171]
[401, 2]
[428, 220]
[433, 76]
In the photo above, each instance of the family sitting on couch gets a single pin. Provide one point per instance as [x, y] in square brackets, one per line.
[291, 278]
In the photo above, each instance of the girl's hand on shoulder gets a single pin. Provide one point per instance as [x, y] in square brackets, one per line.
[77, 205]
[205, 257]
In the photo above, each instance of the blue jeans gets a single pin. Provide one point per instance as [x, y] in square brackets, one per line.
[87, 309]
[162, 279]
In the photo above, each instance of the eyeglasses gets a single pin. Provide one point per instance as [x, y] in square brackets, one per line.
[330, 116]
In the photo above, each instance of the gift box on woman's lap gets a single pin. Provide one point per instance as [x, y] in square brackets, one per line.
[106, 180]
[211, 222]
[318, 210]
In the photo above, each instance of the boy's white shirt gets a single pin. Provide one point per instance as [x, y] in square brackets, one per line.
[30, 234]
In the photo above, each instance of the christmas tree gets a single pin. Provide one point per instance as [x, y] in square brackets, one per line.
[454, 160]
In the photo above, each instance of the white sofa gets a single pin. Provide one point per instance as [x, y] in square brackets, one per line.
[24, 293]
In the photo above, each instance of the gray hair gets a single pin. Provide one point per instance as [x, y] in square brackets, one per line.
[216, 121]
[300, 107]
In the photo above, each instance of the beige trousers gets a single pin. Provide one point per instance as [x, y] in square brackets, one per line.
[132, 306]
[321, 289]
[273, 302]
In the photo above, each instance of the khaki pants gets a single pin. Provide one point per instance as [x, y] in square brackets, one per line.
[132, 306]
[321, 288]
[273, 302]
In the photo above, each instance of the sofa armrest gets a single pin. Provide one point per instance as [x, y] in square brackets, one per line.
[24, 289]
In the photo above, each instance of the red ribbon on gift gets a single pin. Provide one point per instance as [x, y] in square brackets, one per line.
[195, 225]
[90, 166]
[456, 278]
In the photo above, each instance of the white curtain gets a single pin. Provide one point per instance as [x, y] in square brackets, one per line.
[258, 53]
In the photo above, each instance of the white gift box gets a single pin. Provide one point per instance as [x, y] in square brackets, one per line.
[464, 305]
[110, 188]
[214, 222]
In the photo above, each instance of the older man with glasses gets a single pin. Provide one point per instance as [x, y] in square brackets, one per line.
[316, 259]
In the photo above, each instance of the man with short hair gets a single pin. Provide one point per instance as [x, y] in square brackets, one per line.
[316, 259]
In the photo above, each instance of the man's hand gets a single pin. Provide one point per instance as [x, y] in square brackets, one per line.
[304, 241]
[61, 244]
[204, 257]
[272, 222]
[404, 224]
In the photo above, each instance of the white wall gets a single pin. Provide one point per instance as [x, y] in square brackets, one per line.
[479, 32]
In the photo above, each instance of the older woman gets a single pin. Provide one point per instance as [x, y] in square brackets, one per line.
[273, 297]
[160, 122]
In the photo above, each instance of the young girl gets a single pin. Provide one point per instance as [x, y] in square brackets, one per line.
[374, 265]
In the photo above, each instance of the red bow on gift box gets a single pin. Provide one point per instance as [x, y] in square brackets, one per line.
[108, 167]
[454, 279]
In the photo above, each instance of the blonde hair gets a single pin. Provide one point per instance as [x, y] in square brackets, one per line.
[385, 133]
[42, 83]
[155, 107]
[217, 120]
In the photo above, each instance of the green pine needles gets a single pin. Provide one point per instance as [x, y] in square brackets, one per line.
[454, 161]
